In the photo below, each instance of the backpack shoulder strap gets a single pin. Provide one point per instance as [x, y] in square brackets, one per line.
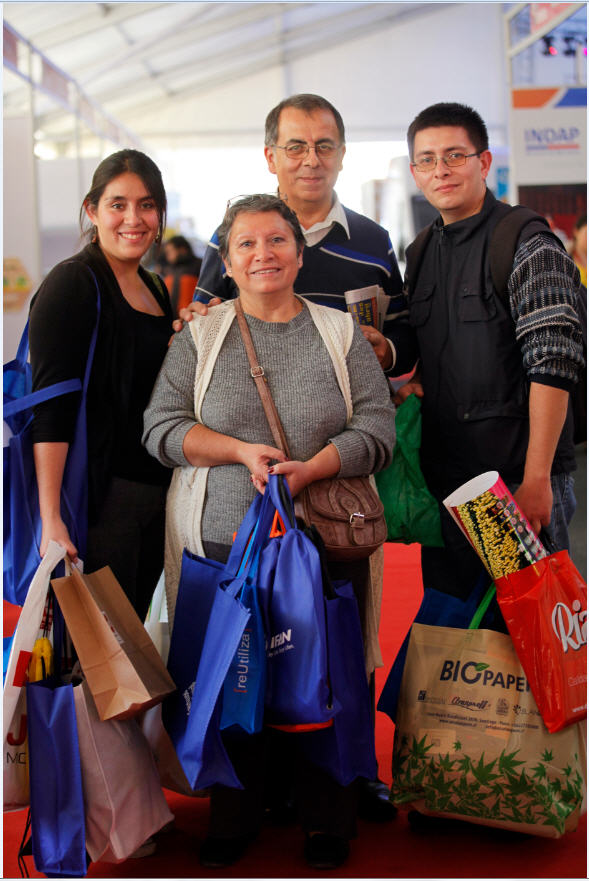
[414, 255]
[504, 240]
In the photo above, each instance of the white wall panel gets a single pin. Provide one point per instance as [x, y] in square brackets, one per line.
[20, 229]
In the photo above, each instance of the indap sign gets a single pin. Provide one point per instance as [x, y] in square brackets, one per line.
[549, 135]
[549, 138]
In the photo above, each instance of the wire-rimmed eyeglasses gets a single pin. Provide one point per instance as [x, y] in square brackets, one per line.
[300, 149]
[450, 160]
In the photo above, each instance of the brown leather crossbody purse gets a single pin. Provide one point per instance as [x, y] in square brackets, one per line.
[346, 511]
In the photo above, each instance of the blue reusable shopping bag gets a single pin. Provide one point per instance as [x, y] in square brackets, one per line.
[57, 806]
[346, 750]
[244, 689]
[199, 581]
[209, 621]
[22, 519]
[224, 631]
[290, 581]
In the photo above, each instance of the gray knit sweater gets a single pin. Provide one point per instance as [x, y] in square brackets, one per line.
[307, 396]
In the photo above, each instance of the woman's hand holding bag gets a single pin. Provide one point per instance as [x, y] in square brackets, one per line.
[208, 629]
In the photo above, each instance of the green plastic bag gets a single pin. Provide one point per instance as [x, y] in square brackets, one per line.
[411, 511]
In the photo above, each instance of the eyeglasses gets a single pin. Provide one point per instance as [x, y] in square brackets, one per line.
[300, 149]
[247, 199]
[450, 160]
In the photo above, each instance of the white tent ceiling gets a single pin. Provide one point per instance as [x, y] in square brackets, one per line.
[179, 74]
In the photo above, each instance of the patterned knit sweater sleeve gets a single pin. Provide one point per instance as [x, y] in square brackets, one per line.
[542, 291]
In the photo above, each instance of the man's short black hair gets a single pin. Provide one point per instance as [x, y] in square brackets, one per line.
[307, 103]
[449, 113]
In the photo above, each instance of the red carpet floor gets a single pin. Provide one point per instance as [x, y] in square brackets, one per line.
[391, 850]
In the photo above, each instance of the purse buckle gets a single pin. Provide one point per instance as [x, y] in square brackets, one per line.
[256, 371]
[357, 519]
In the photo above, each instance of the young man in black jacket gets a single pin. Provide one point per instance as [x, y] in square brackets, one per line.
[496, 367]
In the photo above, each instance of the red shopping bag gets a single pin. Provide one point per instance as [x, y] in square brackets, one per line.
[545, 609]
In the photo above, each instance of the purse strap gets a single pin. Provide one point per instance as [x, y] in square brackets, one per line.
[257, 373]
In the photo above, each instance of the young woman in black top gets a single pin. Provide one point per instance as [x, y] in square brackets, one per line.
[126, 206]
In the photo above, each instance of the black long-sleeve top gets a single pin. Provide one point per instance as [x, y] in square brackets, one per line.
[130, 348]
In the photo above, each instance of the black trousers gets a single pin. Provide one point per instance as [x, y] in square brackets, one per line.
[270, 765]
[129, 537]
[267, 763]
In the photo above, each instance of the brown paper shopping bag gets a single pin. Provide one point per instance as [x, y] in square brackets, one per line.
[470, 742]
[122, 666]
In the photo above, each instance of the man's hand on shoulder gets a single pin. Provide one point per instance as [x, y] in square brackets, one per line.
[380, 344]
[194, 308]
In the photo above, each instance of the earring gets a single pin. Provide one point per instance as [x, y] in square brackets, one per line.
[158, 238]
[94, 234]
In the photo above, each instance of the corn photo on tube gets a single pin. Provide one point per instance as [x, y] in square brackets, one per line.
[487, 514]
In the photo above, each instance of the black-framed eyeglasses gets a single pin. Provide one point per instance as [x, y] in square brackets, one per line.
[450, 160]
[300, 149]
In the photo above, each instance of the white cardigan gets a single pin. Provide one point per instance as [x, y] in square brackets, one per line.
[186, 495]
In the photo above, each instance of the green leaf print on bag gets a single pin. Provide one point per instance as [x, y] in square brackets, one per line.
[500, 789]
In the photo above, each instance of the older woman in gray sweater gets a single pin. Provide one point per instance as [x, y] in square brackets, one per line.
[206, 420]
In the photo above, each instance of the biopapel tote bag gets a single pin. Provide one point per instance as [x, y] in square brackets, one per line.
[122, 666]
[470, 742]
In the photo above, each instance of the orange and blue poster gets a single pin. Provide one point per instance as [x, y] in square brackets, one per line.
[549, 135]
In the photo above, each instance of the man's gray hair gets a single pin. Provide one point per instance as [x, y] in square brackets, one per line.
[307, 103]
